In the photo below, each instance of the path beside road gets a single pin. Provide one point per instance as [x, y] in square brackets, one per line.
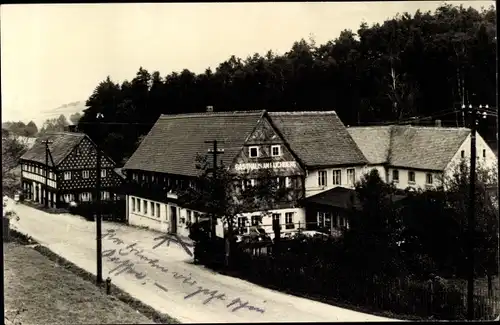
[165, 277]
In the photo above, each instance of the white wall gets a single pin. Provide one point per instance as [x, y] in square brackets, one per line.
[313, 188]
[490, 161]
[420, 178]
[160, 223]
[267, 221]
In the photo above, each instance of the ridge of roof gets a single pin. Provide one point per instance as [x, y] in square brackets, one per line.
[448, 128]
[77, 134]
[209, 114]
[300, 113]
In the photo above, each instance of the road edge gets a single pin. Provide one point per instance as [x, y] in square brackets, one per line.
[118, 293]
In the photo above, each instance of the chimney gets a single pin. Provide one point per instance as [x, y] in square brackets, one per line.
[210, 108]
[438, 123]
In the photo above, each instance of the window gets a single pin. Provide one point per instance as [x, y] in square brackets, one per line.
[462, 153]
[152, 206]
[135, 177]
[67, 176]
[253, 182]
[144, 178]
[484, 153]
[253, 152]
[351, 176]
[138, 205]
[78, 152]
[428, 178]
[289, 220]
[276, 150]
[103, 173]
[288, 182]
[320, 219]
[133, 204]
[276, 216]
[85, 196]
[395, 175]
[242, 225]
[85, 174]
[337, 177]
[411, 177]
[145, 205]
[68, 198]
[255, 220]
[322, 178]
[189, 216]
[105, 195]
[158, 210]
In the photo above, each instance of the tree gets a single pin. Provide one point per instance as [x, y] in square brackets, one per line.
[409, 65]
[21, 129]
[486, 213]
[58, 124]
[31, 129]
[380, 228]
[228, 195]
[436, 222]
[12, 150]
[74, 118]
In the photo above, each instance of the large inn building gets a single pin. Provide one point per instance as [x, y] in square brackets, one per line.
[309, 151]
[313, 154]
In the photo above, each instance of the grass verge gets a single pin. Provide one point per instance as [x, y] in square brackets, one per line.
[116, 292]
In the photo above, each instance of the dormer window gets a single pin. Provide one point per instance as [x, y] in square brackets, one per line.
[253, 152]
[276, 150]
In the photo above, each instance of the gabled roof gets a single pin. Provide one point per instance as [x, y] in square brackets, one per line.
[409, 146]
[374, 142]
[61, 146]
[174, 141]
[318, 138]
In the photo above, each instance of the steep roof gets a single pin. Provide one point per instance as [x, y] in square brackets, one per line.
[61, 146]
[373, 142]
[410, 146]
[318, 138]
[174, 141]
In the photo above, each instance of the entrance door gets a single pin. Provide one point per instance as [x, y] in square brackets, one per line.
[173, 220]
[164, 220]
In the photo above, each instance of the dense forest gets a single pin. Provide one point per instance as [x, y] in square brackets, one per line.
[413, 65]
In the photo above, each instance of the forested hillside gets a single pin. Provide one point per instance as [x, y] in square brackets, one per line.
[419, 64]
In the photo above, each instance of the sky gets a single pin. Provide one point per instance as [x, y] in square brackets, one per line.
[54, 54]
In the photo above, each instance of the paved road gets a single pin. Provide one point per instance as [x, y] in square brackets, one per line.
[165, 277]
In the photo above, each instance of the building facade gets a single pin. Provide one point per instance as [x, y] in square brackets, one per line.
[71, 172]
[294, 146]
[418, 157]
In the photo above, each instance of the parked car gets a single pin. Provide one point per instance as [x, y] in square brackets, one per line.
[255, 233]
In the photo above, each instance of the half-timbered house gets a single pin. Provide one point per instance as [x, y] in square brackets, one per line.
[300, 147]
[71, 171]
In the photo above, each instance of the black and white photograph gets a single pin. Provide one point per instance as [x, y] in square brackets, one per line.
[253, 162]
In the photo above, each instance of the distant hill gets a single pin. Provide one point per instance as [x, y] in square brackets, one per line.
[66, 110]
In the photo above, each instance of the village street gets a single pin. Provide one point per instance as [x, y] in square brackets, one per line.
[165, 278]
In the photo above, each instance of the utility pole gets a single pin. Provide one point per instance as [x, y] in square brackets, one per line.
[98, 220]
[215, 152]
[47, 142]
[471, 215]
[472, 209]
